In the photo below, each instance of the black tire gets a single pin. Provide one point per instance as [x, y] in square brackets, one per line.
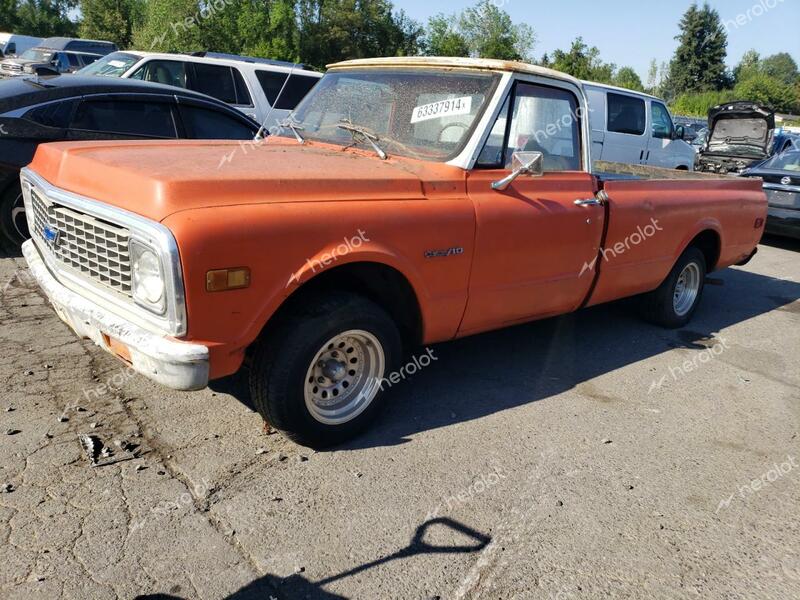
[13, 226]
[658, 306]
[282, 359]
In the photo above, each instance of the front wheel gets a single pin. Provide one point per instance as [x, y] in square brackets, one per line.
[13, 226]
[318, 376]
[673, 303]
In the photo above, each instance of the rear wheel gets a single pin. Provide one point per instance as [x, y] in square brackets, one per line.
[673, 303]
[317, 376]
[13, 225]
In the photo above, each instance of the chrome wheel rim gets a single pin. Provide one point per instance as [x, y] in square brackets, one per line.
[686, 289]
[18, 217]
[344, 377]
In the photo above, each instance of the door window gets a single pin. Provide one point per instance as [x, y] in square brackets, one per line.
[214, 81]
[55, 114]
[543, 119]
[167, 72]
[242, 93]
[662, 122]
[140, 118]
[296, 89]
[626, 114]
[62, 62]
[205, 124]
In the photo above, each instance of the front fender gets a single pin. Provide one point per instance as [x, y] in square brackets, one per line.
[287, 245]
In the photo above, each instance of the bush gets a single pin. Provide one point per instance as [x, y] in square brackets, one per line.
[698, 104]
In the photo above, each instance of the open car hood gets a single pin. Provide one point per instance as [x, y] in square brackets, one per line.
[740, 129]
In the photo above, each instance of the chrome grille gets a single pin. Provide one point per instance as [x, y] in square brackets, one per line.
[86, 245]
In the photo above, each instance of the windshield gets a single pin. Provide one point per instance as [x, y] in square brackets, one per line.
[113, 65]
[427, 114]
[788, 161]
[38, 55]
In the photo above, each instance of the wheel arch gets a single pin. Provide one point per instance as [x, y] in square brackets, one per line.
[383, 283]
[707, 238]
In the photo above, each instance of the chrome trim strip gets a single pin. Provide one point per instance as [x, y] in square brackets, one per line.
[146, 231]
[782, 188]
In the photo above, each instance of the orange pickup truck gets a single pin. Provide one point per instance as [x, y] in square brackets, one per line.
[407, 201]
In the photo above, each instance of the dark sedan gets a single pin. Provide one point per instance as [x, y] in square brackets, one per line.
[781, 175]
[34, 111]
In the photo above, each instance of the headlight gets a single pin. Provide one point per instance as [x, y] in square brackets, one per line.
[149, 289]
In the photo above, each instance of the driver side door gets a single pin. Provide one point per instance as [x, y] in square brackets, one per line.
[535, 247]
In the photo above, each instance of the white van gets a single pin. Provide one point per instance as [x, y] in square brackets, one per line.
[258, 87]
[14, 45]
[635, 128]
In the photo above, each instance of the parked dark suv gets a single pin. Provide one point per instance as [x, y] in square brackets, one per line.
[35, 111]
[59, 55]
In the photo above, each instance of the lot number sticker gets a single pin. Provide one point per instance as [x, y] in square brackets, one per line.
[443, 108]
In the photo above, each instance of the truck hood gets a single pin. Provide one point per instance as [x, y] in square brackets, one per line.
[157, 179]
[740, 129]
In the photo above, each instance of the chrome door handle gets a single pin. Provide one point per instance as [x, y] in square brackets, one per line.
[588, 202]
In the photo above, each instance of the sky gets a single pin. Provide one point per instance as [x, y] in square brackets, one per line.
[630, 33]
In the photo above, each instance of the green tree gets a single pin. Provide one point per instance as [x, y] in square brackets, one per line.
[764, 89]
[490, 33]
[45, 18]
[749, 65]
[169, 26]
[334, 30]
[8, 15]
[626, 77]
[699, 61]
[583, 62]
[782, 67]
[112, 20]
[443, 37]
[481, 31]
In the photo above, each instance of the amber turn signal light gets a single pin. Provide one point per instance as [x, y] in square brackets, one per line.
[221, 280]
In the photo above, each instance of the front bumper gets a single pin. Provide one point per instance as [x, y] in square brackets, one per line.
[172, 363]
[784, 222]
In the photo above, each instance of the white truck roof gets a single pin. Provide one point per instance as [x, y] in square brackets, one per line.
[484, 64]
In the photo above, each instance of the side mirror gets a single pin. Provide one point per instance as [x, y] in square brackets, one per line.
[680, 133]
[522, 163]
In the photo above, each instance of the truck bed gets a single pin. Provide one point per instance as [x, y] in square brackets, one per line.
[608, 171]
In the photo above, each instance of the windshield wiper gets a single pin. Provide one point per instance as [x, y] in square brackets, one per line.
[364, 134]
[296, 129]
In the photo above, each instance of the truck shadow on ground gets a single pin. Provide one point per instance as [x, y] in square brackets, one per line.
[781, 242]
[272, 587]
[485, 374]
